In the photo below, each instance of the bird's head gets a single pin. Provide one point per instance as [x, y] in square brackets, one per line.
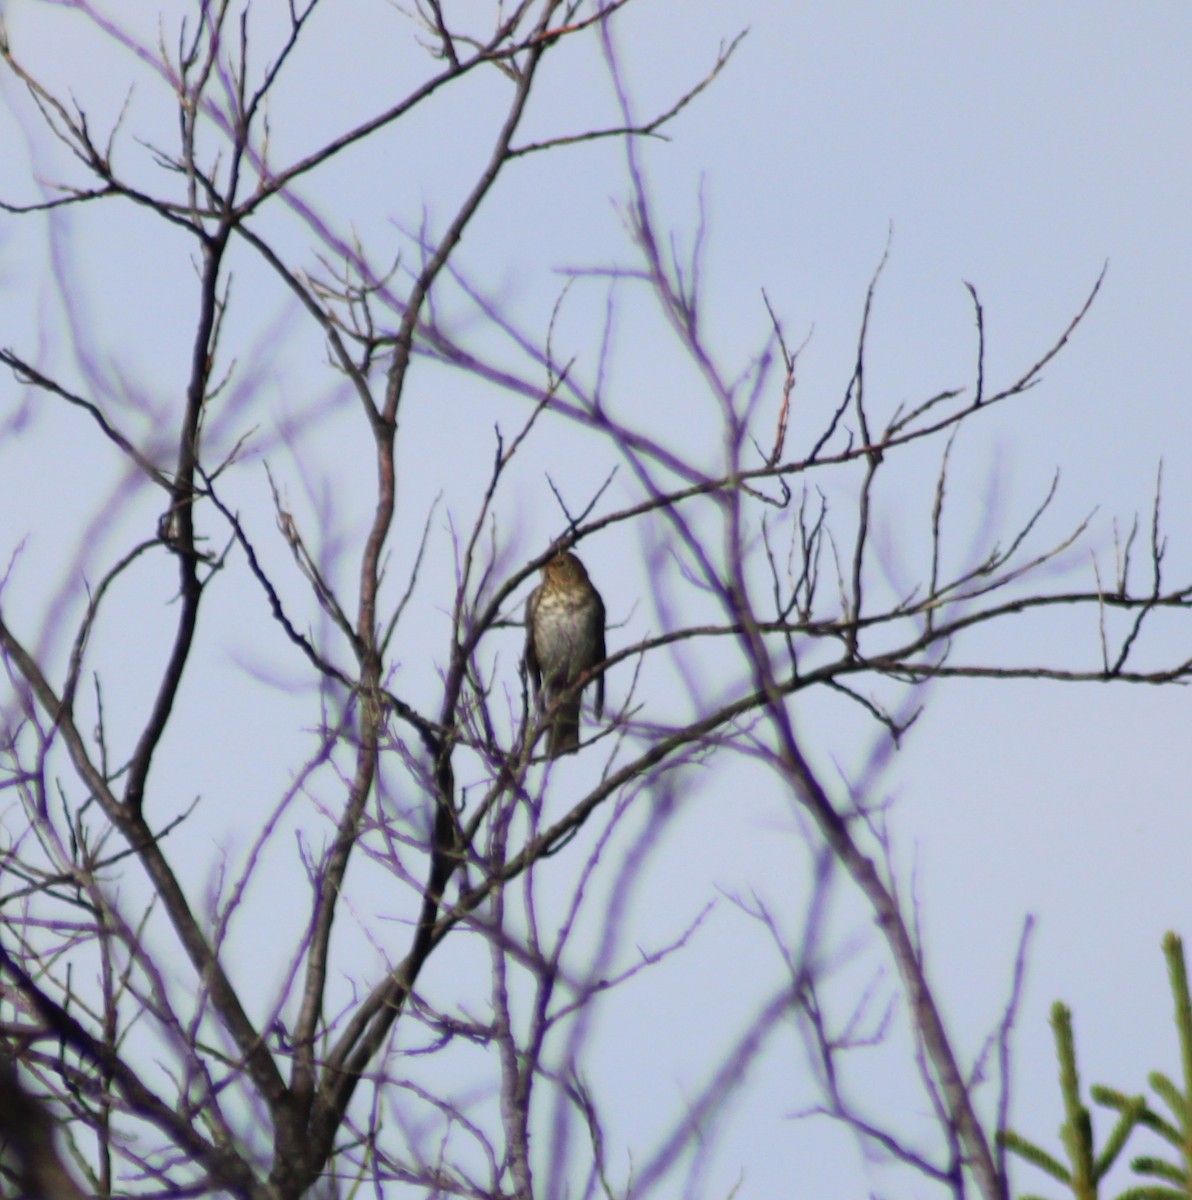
[564, 568]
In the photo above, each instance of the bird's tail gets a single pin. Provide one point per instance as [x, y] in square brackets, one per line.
[564, 730]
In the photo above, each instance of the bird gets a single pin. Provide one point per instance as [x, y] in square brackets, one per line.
[564, 638]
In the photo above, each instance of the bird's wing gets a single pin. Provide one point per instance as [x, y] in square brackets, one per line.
[600, 656]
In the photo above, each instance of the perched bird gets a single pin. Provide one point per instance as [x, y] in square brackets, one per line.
[564, 638]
